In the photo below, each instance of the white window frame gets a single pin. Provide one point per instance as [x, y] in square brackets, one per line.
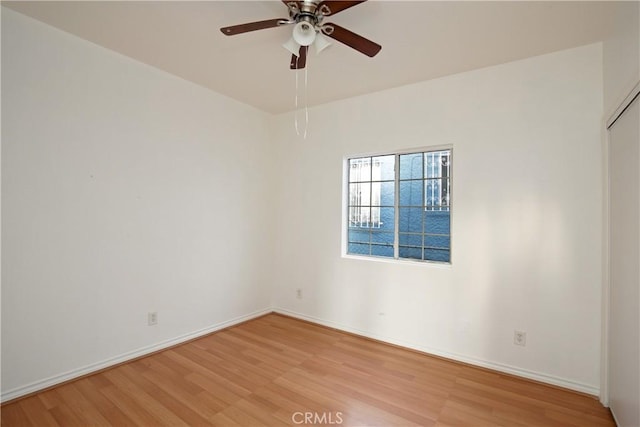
[345, 204]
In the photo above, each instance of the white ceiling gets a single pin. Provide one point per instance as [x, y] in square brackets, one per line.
[420, 40]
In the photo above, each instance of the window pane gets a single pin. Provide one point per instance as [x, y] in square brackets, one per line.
[358, 236]
[436, 164]
[360, 194]
[437, 222]
[431, 164]
[445, 163]
[353, 215]
[414, 253]
[422, 205]
[360, 169]
[432, 192]
[410, 239]
[360, 216]
[382, 250]
[386, 193]
[437, 241]
[410, 220]
[411, 166]
[384, 168]
[382, 237]
[358, 249]
[436, 193]
[411, 193]
[437, 255]
[387, 219]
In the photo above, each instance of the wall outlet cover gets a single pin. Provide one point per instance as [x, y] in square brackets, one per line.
[520, 338]
[152, 318]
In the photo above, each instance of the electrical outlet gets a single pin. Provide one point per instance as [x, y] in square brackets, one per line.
[299, 293]
[520, 338]
[152, 318]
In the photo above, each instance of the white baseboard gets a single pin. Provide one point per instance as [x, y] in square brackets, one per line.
[500, 367]
[88, 369]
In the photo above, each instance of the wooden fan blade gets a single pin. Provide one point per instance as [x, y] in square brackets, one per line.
[299, 62]
[352, 39]
[333, 7]
[252, 26]
[291, 3]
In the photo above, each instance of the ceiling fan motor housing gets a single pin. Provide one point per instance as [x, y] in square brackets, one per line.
[307, 11]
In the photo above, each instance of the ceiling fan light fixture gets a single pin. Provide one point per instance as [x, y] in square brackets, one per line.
[292, 46]
[321, 43]
[304, 33]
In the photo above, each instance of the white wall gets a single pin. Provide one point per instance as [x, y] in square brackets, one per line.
[527, 197]
[124, 190]
[621, 55]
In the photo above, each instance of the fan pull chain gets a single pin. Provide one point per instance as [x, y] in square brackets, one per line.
[306, 104]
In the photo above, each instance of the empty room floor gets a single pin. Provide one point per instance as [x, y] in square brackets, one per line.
[279, 371]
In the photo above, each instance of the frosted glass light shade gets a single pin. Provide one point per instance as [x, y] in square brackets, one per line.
[303, 33]
[292, 46]
[321, 43]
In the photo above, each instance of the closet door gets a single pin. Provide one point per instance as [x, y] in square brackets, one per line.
[624, 259]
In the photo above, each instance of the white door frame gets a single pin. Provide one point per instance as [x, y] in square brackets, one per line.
[606, 309]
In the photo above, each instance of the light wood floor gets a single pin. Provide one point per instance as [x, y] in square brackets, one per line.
[279, 371]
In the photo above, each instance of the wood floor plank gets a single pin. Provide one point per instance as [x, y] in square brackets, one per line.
[82, 406]
[497, 396]
[50, 398]
[288, 401]
[248, 418]
[183, 412]
[264, 342]
[143, 398]
[575, 418]
[65, 416]
[269, 370]
[207, 408]
[331, 395]
[263, 412]
[139, 414]
[458, 414]
[198, 361]
[391, 378]
[14, 415]
[107, 408]
[219, 388]
[37, 413]
[223, 420]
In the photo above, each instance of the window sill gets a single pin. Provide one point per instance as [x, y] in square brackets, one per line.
[436, 264]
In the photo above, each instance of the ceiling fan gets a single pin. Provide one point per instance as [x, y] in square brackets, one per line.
[307, 18]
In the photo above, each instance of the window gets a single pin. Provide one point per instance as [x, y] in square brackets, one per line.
[401, 212]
